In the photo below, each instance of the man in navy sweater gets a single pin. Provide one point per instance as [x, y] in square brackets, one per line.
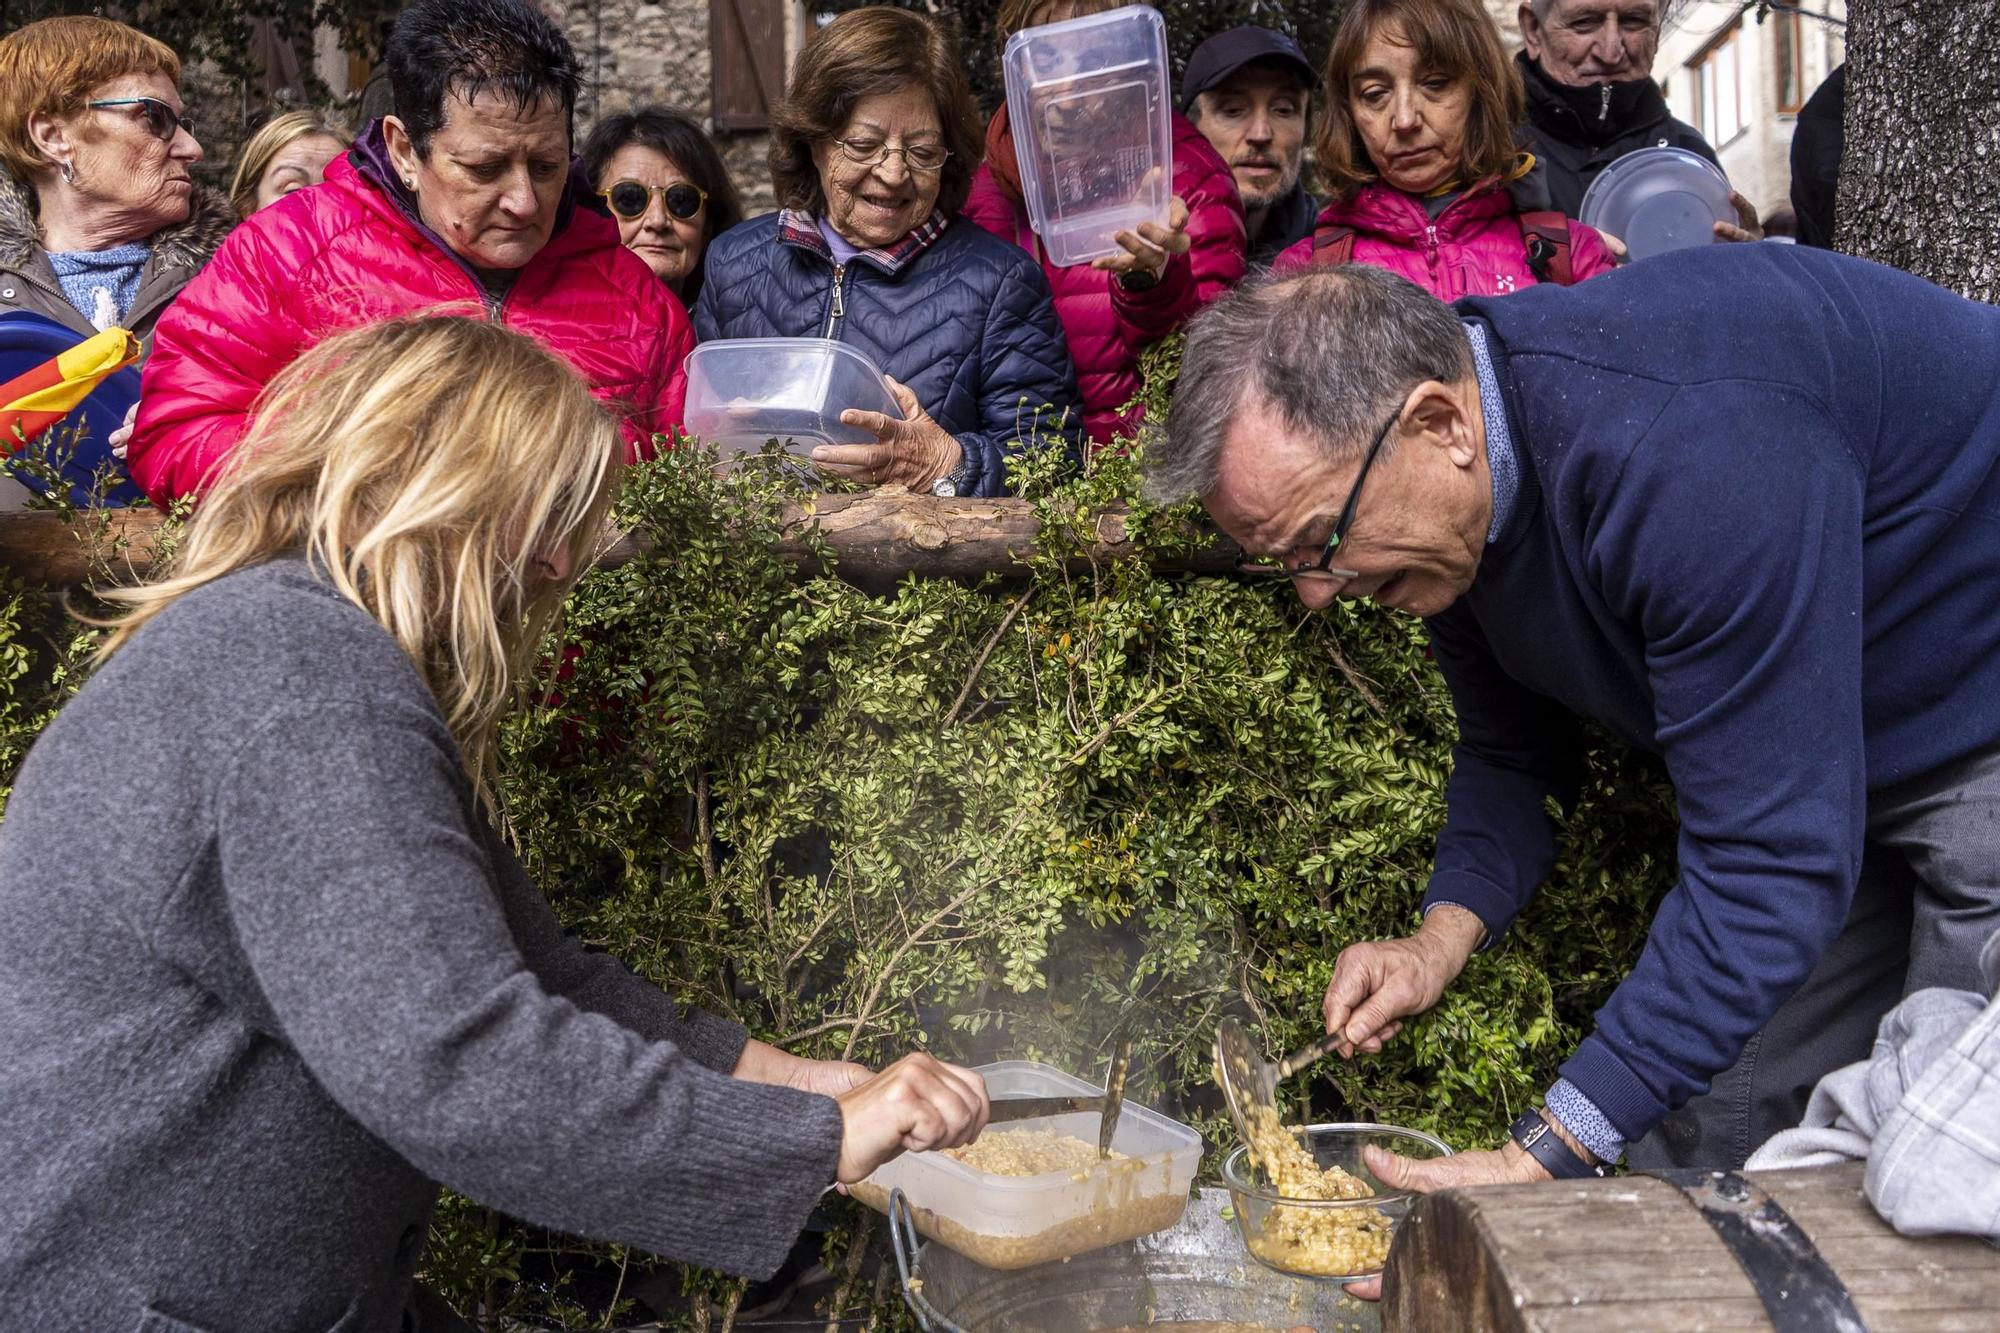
[1739, 505]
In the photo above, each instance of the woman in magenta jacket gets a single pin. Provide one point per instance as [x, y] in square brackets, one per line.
[1417, 144]
[1112, 309]
[464, 199]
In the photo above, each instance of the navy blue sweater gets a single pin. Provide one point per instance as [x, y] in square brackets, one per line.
[1758, 533]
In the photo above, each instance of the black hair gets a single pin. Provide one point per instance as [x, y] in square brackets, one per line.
[441, 47]
[678, 137]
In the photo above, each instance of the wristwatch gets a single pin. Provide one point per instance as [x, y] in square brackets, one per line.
[1540, 1141]
[1138, 280]
[953, 482]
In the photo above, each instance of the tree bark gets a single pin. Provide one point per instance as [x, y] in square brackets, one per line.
[1922, 158]
[875, 539]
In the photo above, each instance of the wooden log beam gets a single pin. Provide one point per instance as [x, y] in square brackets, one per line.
[875, 538]
[1632, 1254]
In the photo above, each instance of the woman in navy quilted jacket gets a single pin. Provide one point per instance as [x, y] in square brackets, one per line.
[872, 154]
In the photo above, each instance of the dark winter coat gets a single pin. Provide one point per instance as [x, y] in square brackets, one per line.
[1818, 140]
[1290, 221]
[1577, 132]
[960, 317]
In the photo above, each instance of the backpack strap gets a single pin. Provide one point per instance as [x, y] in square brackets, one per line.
[1547, 238]
[1333, 243]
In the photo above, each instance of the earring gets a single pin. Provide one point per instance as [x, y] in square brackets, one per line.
[68, 170]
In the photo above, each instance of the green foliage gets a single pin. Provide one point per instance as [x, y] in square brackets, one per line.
[993, 819]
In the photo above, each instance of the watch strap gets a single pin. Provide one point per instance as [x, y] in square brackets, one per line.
[1540, 1141]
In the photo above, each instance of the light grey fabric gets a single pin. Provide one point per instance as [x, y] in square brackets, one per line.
[265, 978]
[1927, 901]
[1923, 1111]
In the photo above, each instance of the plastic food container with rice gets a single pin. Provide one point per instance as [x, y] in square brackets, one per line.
[1005, 1221]
[744, 392]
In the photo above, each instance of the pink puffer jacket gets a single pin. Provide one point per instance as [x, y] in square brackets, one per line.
[353, 250]
[1473, 248]
[1108, 326]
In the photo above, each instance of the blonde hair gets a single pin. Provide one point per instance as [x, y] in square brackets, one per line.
[50, 67]
[422, 465]
[271, 139]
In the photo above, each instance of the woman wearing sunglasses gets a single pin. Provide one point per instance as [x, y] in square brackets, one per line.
[872, 153]
[463, 199]
[101, 223]
[666, 185]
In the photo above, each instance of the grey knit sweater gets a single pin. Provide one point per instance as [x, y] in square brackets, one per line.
[266, 980]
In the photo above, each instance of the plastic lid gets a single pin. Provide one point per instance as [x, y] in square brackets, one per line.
[1088, 107]
[744, 391]
[1658, 199]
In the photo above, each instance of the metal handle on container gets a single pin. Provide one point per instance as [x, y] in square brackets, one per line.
[904, 1241]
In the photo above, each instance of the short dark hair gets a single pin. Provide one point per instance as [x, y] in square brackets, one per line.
[1453, 38]
[862, 53]
[441, 47]
[678, 138]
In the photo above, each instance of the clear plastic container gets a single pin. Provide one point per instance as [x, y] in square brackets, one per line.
[1088, 105]
[1658, 199]
[1304, 1237]
[1016, 1221]
[743, 392]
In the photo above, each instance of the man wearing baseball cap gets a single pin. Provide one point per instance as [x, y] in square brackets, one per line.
[1248, 91]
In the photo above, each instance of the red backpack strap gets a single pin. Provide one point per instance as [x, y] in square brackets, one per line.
[1547, 238]
[1333, 243]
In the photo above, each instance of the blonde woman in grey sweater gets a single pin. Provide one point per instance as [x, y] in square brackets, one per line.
[303, 983]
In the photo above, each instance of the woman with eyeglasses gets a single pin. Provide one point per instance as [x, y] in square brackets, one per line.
[101, 223]
[464, 199]
[666, 185]
[872, 152]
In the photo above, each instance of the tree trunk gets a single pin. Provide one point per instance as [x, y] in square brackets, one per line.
[874, 538]
[1917, 181]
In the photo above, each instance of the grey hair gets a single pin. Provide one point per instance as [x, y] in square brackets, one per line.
[1332, 351]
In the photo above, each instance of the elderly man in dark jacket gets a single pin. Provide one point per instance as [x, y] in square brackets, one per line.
[1777, 573]
[1588, 69]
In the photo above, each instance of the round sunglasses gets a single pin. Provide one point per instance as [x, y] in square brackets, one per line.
[162, 121]
[630, 199]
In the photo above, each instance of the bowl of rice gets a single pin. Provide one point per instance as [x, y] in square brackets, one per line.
[1308, 1205]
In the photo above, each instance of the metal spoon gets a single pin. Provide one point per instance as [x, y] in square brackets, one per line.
[1248, 1079]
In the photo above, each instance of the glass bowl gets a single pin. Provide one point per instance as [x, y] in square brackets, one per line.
[1333, 1240]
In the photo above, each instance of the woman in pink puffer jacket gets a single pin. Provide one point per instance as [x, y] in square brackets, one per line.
[1109, 321]
[1420, 99]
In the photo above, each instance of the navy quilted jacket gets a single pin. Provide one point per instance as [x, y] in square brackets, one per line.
[966, 321]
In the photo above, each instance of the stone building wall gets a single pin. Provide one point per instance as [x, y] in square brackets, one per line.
[640, 51]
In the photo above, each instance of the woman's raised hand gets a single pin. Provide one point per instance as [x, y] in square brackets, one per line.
[1154, 247]
[913, 452]
[915, 1105]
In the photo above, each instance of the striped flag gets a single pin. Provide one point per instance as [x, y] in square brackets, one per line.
[31, 403]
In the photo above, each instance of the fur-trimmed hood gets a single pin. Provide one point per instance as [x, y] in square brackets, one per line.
[187, 244]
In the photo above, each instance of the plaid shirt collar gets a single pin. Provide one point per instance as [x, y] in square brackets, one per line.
[800, 228]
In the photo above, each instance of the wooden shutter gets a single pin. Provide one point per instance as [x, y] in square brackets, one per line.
[746, 40]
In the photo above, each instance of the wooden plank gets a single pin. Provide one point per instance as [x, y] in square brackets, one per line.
[1633, 1254]
[875, 537]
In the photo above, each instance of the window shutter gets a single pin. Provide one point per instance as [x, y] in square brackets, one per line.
[746, 41]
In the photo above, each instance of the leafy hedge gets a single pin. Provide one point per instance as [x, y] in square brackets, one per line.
[989, 819]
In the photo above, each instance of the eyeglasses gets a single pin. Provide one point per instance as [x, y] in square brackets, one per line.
[162, 121]
[630, 199]
[1322, 571]
[874, 152]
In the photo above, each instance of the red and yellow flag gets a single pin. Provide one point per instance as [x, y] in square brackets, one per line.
[31, 403]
